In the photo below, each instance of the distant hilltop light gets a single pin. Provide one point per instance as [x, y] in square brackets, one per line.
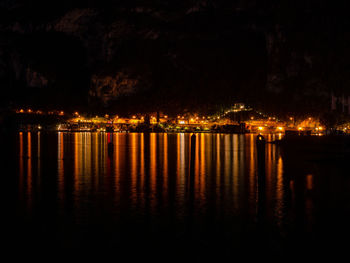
[239, 106]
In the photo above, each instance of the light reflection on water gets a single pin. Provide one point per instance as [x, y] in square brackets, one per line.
[145, 179]
[142, 167]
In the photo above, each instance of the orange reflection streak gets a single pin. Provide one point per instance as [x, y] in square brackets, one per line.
[218, 164]
[165, 166]
[96, 163]
[81, 163]
[181, 180]
[309, 203]
[105, 147]
[82, 160]
[279, 191]
[180, 187]
[178, 154]
[29, 169]
[76, 162]
[252, 173]
[178, 163]
[235, 171]
[309, 182]
[209, 157]
[153, 168]
[202, 168]
[103, 152]
[109, 160]
[241, 149]
[87, 161]
[227, 163]
[269, 170]
[197, 164]
[39, 159]
[117, 165]
[21, 175]
[60, 150]
[133, 167]
[142, 170]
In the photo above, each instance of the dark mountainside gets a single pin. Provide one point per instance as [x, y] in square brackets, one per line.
[279, 56]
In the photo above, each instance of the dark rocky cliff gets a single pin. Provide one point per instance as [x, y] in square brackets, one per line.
[153, 54]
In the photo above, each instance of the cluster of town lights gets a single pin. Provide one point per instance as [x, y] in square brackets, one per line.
[40, 112]
[263, 124]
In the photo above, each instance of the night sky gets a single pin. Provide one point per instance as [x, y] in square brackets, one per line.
[174, 55]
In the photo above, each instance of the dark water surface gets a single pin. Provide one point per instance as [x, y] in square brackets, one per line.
[143, 199]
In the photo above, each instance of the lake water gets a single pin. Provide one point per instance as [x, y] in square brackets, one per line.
[147, 196]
